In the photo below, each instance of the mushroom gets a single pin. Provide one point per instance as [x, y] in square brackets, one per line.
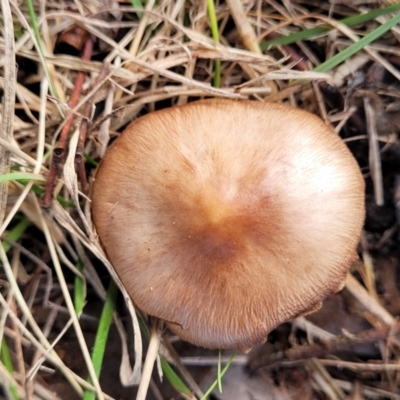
[227, 218]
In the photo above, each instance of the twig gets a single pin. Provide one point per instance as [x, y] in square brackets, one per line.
[323, 379]
[320, 349]
[84, 128]
[60, 151]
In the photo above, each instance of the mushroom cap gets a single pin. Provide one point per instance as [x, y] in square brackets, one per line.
[227, 218]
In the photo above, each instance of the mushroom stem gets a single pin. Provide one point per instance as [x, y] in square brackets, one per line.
[152, 352]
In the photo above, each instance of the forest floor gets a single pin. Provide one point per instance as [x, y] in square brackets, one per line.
[73, 75]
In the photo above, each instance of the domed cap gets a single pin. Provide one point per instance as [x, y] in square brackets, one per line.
[226, 219]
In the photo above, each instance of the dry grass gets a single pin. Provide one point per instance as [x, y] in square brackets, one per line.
[143, 60]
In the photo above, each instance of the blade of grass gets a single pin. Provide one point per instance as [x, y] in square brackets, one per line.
[102, 335]
[15, 176]
[138, 5]
[357, 46]
[219, 377]
[15, 234]
[175, 381]
[40, 191]
[91, 160]
[309, 33]
[35, 28]
[25, 177]
[215, 34]
[223, 372]
[79, 291]
[6, 360]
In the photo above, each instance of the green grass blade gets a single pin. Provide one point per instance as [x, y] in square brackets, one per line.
[15, 176]
[79, 291]
[102, 334]
[215, 34]
[15, 234]
[25, 177]
[6, 360]
[39, 191]
[223, 372]
[309, 33]
[91, 160]
[36, 32]
[173, 378]
[175, 381]
[357, 46]
[138, 5]
[219, 376]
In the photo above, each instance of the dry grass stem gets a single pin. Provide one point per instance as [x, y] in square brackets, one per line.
[143, 60]
[374, 152]
[151, 357]
[6, 126]
[370, 304]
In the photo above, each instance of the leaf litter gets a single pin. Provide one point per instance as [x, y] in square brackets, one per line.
[158, 54]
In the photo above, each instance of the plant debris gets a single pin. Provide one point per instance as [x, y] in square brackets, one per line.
[85, 70]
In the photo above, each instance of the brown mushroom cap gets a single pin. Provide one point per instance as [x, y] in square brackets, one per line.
[226, 219]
